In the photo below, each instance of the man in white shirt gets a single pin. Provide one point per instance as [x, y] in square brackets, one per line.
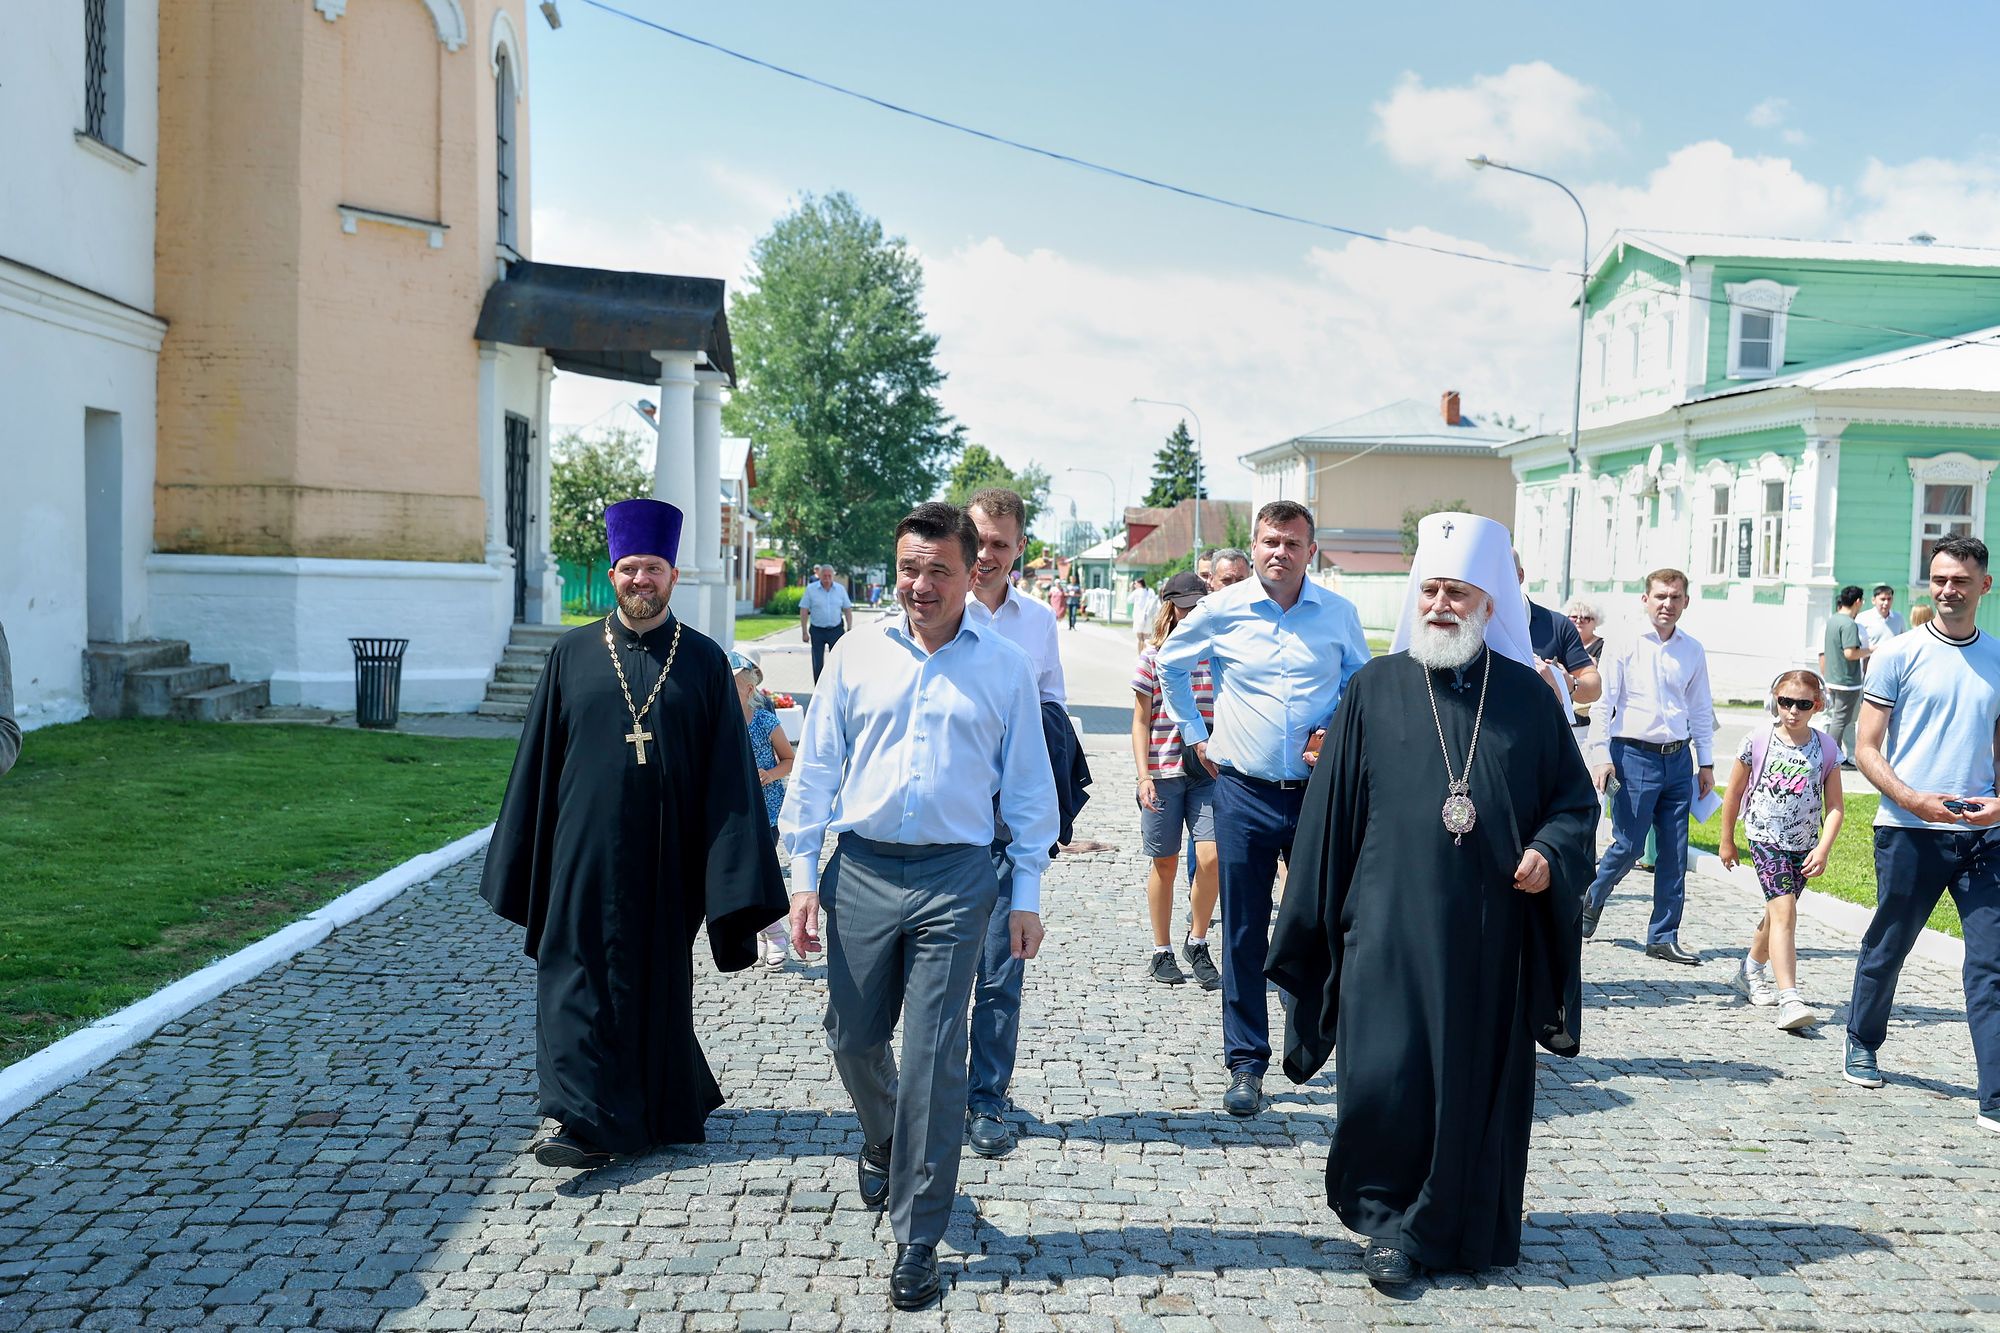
[1656, 706]
[825, 613]
[921, 725]
[1881, 622]
[998, 517]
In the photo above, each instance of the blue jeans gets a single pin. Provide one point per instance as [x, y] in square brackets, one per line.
[1254, 823]
[1655, 792]
[1914, 867]
[996, 1000]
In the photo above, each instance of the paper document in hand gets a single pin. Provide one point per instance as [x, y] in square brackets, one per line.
[1704, 807]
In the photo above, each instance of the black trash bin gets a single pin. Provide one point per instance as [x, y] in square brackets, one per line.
[378, 680]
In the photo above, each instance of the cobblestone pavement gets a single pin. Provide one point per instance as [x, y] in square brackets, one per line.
[339, 1144]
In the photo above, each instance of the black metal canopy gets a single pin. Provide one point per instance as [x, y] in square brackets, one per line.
[593, 321]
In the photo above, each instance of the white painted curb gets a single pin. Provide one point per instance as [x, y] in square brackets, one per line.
[28, 1081]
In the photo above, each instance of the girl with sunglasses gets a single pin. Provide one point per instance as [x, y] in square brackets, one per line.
[1786, 785]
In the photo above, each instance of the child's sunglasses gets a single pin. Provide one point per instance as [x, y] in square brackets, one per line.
[1783, 702]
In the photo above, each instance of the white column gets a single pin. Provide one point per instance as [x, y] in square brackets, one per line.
[721, 618]
[1819, 481]
[550, 581]
[673, 471]
[493, 459]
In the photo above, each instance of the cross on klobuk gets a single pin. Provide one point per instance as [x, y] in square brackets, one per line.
[1447, 527]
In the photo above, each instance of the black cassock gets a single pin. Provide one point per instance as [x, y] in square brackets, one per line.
[1419, 960]
[612, 866]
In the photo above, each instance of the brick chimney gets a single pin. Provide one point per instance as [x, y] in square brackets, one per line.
[1448, 406]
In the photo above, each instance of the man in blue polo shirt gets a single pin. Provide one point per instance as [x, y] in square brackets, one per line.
[1280, 649]
[1930, 725]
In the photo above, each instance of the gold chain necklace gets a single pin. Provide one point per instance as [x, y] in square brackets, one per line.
[638, 736]
[1459, 813]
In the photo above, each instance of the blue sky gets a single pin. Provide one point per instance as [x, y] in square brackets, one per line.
[1059, 295]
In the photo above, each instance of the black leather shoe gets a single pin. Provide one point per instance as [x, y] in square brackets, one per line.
[988, 1135]
[872, 1175]
[1246, 1093]
[1671, 952]
[1388, 1267]
[914, 1282]
[570, 1151]
[1588, 921]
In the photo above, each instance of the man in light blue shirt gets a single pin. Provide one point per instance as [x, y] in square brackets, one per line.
[1930, 730]
[825, 613]
[923, 724]
[1282, 649]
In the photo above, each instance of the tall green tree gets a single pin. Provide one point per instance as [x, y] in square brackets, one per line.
[1175, 468]
[836, 381]
[585, 475]
[979, 467]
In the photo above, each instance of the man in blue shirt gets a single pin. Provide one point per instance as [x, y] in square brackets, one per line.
[924, 724]
[1930, 726]
[825, 613]
[1281, 649]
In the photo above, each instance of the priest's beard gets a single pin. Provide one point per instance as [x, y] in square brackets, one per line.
[1449, 647]
[639, 607]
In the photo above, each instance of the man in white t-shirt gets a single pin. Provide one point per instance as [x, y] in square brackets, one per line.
[1930, 728]
[1881, 621]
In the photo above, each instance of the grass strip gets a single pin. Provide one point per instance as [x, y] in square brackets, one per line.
[135, 852]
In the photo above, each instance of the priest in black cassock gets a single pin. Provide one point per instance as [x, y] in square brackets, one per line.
[632, 815]
[1429, 931]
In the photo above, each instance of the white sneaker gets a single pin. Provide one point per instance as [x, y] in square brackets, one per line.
[1989, 1120]
[1795, 1015]
[1756, 987]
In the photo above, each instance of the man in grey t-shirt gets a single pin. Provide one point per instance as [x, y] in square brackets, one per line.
[1840, 667]
[10, 731]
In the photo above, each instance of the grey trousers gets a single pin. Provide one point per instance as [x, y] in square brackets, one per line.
[1842, 708]
[903, 928]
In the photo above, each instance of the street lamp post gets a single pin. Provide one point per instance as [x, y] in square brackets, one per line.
[1168, 402]
[1582, 322]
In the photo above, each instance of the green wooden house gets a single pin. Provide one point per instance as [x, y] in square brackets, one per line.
[1777, 418]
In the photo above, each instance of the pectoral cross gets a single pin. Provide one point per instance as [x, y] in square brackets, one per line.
[637, 740]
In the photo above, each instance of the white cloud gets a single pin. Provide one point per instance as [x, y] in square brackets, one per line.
[1044, 352]
[1533, 113]
[1769, 114]
[1958, 202]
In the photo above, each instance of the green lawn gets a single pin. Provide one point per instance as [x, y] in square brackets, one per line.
[747, 627]
[135, 852]
[1850, 871]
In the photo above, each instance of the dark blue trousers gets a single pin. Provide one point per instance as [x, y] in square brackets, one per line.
[1655, 792]
[823, 638]
[1913, 869]
[1254, 822]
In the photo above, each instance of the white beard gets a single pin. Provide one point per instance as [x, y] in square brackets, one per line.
[1440, 648]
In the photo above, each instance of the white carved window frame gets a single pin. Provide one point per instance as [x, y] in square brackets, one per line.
[1763, 297]
[1952, 469]
[1720, 561]
[1772, 469]
[508, 40]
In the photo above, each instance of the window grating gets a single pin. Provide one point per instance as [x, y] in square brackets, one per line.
[96, 68]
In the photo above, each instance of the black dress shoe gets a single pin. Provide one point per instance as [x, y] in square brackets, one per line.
[914, 1282]
[1388, 1267]
[872, 1175]
[988, 1134]
[571, 1151]
[1588, 921]
[1671, 952]
[1246, 1093]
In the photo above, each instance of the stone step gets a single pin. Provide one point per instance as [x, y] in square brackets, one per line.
[537, 634]
[533, 658]
[503, 708]
[516, 675]
[151, 692]
[106, 666]
[511, 689]
[223, 703]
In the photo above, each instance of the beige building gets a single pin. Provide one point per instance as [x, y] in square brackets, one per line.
[353, 386]
[1359, 475]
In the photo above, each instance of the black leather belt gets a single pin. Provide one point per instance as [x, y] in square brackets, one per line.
[1657, 747]
[1282, 784]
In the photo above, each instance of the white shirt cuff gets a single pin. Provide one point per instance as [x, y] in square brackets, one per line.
[1027, 890]
[805, 874]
